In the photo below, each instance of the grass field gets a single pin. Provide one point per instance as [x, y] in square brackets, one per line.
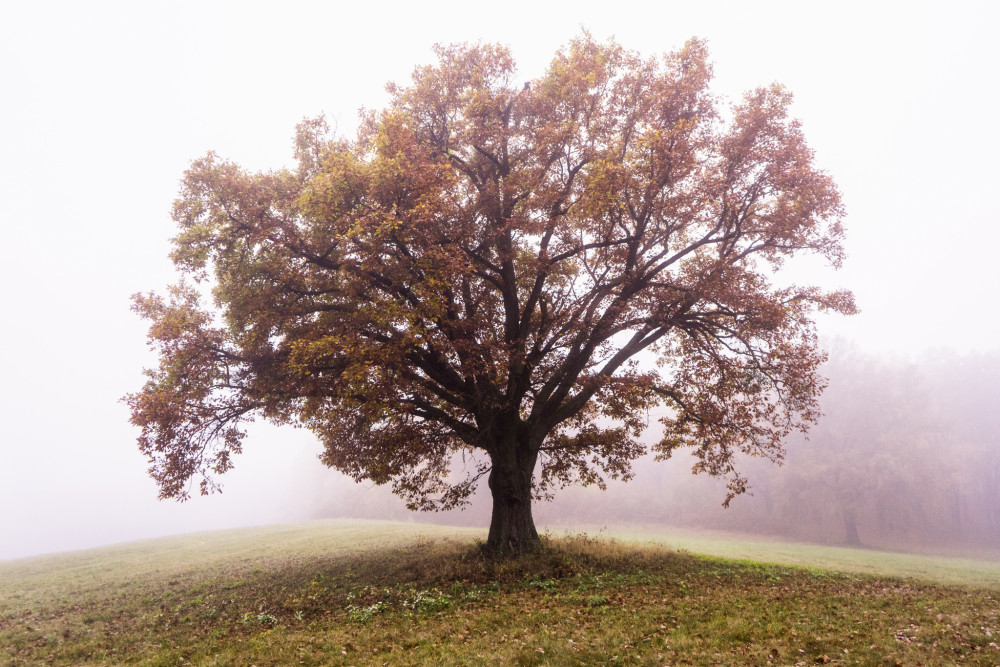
[373, 593]
[943, 570]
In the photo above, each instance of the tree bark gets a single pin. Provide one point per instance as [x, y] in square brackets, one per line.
[851, 528]
[512, 528]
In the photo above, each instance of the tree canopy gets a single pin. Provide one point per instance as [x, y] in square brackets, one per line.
[498, 278]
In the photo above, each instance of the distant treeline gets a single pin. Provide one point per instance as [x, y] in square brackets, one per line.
[907, 455]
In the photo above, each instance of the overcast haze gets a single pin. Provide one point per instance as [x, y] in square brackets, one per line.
[105, 104]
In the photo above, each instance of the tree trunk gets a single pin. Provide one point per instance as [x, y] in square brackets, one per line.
[512, 528]
[851, 528]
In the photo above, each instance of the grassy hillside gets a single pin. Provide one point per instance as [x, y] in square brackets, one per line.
[353, 593]
[943, 570]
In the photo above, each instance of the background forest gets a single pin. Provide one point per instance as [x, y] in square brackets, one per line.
[906, 456]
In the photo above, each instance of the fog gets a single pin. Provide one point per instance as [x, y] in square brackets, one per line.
[906, 457]
[106, 103]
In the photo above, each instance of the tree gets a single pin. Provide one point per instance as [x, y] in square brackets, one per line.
[480, 284]
[881, 465]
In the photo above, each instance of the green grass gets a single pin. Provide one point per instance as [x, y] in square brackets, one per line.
[370, 593]
[944, 570]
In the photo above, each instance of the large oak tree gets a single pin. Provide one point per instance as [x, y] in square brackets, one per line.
[502, 279]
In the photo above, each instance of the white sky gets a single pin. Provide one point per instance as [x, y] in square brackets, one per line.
[102, 106]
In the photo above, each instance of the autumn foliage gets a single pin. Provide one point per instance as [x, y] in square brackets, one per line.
[502, 279]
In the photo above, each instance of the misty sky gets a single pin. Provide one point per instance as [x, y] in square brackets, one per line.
[104, 105]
